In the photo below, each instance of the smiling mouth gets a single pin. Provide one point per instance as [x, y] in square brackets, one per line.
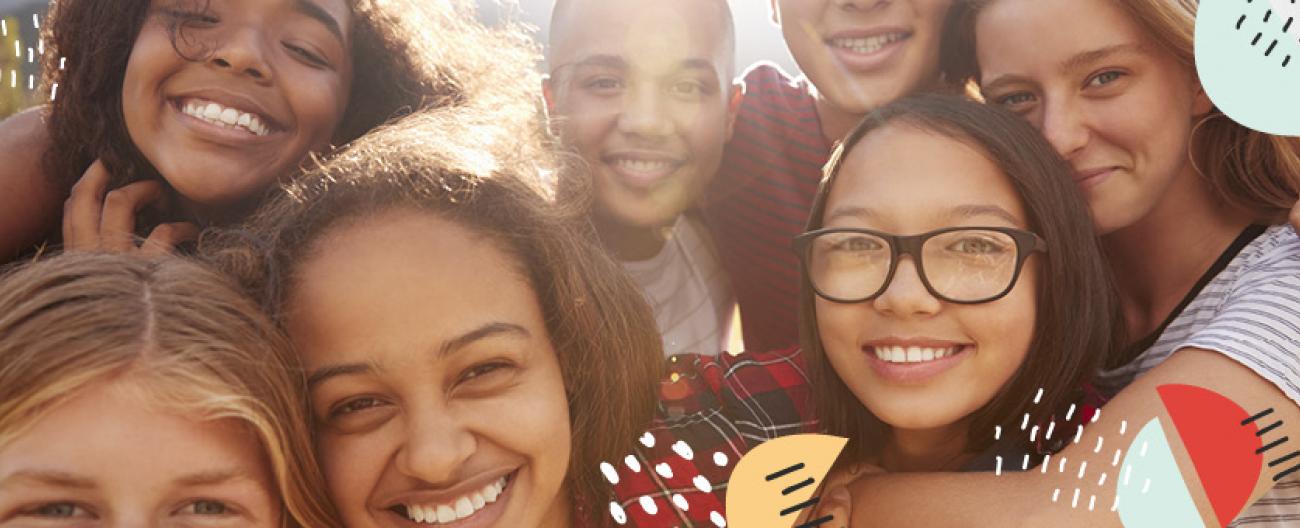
[463, 507]
[224, 116]
[865, 45]
[914, 354]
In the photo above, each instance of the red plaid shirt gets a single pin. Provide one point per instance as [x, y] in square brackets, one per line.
[712, 411]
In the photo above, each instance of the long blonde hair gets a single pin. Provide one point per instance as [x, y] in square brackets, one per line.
[1249, 169]
[179, 329]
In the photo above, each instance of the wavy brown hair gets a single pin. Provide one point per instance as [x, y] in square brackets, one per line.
[406, 55]
[1077, 305]
[1251, 170]
[440, 162]
[181, 331]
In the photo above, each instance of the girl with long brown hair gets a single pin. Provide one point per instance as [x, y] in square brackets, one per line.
[1188, 205]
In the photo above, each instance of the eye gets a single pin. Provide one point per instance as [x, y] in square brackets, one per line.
[856, 243]
[975, 245]
[307, 55]
[191, 18]
[604, 84]
[484, 369]
[1015, 100]
[59, 510]
[355, 405]
[688, 88]
[1105, 78]
[206, 507]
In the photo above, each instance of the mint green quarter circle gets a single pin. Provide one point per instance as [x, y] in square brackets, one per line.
[1248, 60]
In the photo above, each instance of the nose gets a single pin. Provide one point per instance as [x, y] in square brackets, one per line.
[1065, 128]
[644, 114]
[437, 446]
[906, 295]
[242, 52]
[860, 5]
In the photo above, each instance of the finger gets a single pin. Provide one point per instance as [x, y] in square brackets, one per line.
[164, 238]
[82, 209]
[117, 225]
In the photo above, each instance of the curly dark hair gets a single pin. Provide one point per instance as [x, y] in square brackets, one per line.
[463, 166]
[407, 54]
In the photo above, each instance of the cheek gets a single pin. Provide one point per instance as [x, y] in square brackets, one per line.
[839, 326]
[352, 466]
[319, 104]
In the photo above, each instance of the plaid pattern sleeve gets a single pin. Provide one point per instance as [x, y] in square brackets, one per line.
[712, 411]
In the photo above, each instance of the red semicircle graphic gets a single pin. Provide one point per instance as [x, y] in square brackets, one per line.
[1222, 450]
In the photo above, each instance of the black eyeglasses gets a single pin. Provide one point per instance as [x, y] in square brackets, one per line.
[964, 265]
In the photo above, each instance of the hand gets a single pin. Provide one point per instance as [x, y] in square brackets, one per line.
[835, 499]
[1295, 217]
[95, 219]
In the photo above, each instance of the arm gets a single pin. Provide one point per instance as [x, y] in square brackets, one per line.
[1025, 499]
[30, 204]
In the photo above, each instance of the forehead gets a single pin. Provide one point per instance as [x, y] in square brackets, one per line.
[1024, 31]
[110, 417]
[658, 34]
[391, 287]
[906, 172]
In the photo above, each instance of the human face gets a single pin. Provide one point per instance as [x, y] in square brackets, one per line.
[643, 91]
[903, 180]
[1113, 102]
[861, 54]
[107, 457]
[432, 377]
[271, 85]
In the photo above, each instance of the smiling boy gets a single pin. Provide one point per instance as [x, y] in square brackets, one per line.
[856, 55]
[643, 92]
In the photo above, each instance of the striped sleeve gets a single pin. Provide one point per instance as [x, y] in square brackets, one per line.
[1258, 321]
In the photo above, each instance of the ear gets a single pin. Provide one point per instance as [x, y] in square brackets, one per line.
[733, 105]
[548, 94]
[1201, 103]
[774, 12]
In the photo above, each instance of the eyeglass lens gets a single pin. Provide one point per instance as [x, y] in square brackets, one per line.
[965, 265]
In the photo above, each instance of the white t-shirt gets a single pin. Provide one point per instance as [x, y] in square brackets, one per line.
[1249, 312]
[688, 291]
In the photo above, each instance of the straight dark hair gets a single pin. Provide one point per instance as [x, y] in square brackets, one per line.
[1077, 305]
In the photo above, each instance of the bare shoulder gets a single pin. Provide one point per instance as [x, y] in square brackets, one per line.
[30, 205]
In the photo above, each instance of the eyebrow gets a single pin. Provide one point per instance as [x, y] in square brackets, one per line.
[333, 371]
[488, 330]
[615, 61]
[968, 211]
[1075, 62]
[50, 477]
[309, 8]
[961, 211]
[207, 478]
[482, 332]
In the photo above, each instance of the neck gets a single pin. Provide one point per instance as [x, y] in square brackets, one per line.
[926, 450]
[630, 243]
[836, 122]
[1159, 258]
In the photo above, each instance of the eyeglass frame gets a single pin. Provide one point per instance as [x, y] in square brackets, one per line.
[900, 245]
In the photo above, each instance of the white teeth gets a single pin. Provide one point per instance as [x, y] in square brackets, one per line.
[643, 165]
[461, 508]
[867, 44]
[913, 354]
[225, 116]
